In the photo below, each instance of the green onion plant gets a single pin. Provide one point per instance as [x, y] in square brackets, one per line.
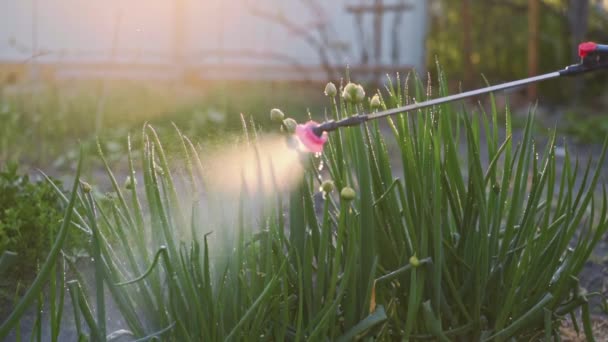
[432, 225]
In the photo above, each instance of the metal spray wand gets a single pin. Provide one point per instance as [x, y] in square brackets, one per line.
[593, 57]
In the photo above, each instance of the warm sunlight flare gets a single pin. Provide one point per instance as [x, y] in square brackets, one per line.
[272, 164]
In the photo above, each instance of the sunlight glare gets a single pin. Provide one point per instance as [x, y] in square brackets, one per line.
[272, 164]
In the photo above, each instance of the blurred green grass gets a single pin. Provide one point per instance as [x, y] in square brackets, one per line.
[43, 124]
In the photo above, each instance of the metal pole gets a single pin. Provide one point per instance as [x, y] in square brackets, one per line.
[332, 125]
[464, 95]
[593, 57]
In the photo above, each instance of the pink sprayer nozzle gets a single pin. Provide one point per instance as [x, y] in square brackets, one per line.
[309, 139]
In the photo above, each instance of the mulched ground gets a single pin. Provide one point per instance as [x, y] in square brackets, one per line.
[600, 331]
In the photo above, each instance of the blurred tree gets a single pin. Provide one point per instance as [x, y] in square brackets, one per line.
[533, 15]
[578, 20]
[499, 33]
[467, 43]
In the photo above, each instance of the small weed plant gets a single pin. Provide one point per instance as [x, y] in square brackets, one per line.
[431, 227]
[30, 216]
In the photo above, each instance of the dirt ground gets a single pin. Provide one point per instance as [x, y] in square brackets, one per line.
[600, 331]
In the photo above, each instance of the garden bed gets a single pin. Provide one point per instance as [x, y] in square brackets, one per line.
[299, 270]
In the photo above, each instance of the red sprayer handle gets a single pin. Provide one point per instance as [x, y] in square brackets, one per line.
[587, 48]
[593, 57]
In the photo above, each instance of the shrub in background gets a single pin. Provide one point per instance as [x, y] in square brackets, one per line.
[30, 214]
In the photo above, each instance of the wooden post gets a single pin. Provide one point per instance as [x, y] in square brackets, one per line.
[378, 9]
[533, 24]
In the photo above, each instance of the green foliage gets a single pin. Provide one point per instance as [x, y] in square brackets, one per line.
[51, 273]
[499, 34]
[30, 214]
[585, 128]
[472, 242]
[30, 217]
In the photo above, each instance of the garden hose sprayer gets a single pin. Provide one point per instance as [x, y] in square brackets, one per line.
[314, 135]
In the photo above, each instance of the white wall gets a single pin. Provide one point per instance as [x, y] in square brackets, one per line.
[84, 29]
[244, 31]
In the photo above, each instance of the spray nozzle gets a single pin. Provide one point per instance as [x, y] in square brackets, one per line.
[310, 137]
[313, 135]
[593, 57]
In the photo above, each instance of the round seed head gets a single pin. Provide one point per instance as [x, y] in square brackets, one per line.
[414, 261]
[348, 194]
[330, 89]
[290, 125]
[375, 102]
[327, 186]
[349, 93]
[130, 183]
[86, 187]
[360, 94]
[277, 115]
